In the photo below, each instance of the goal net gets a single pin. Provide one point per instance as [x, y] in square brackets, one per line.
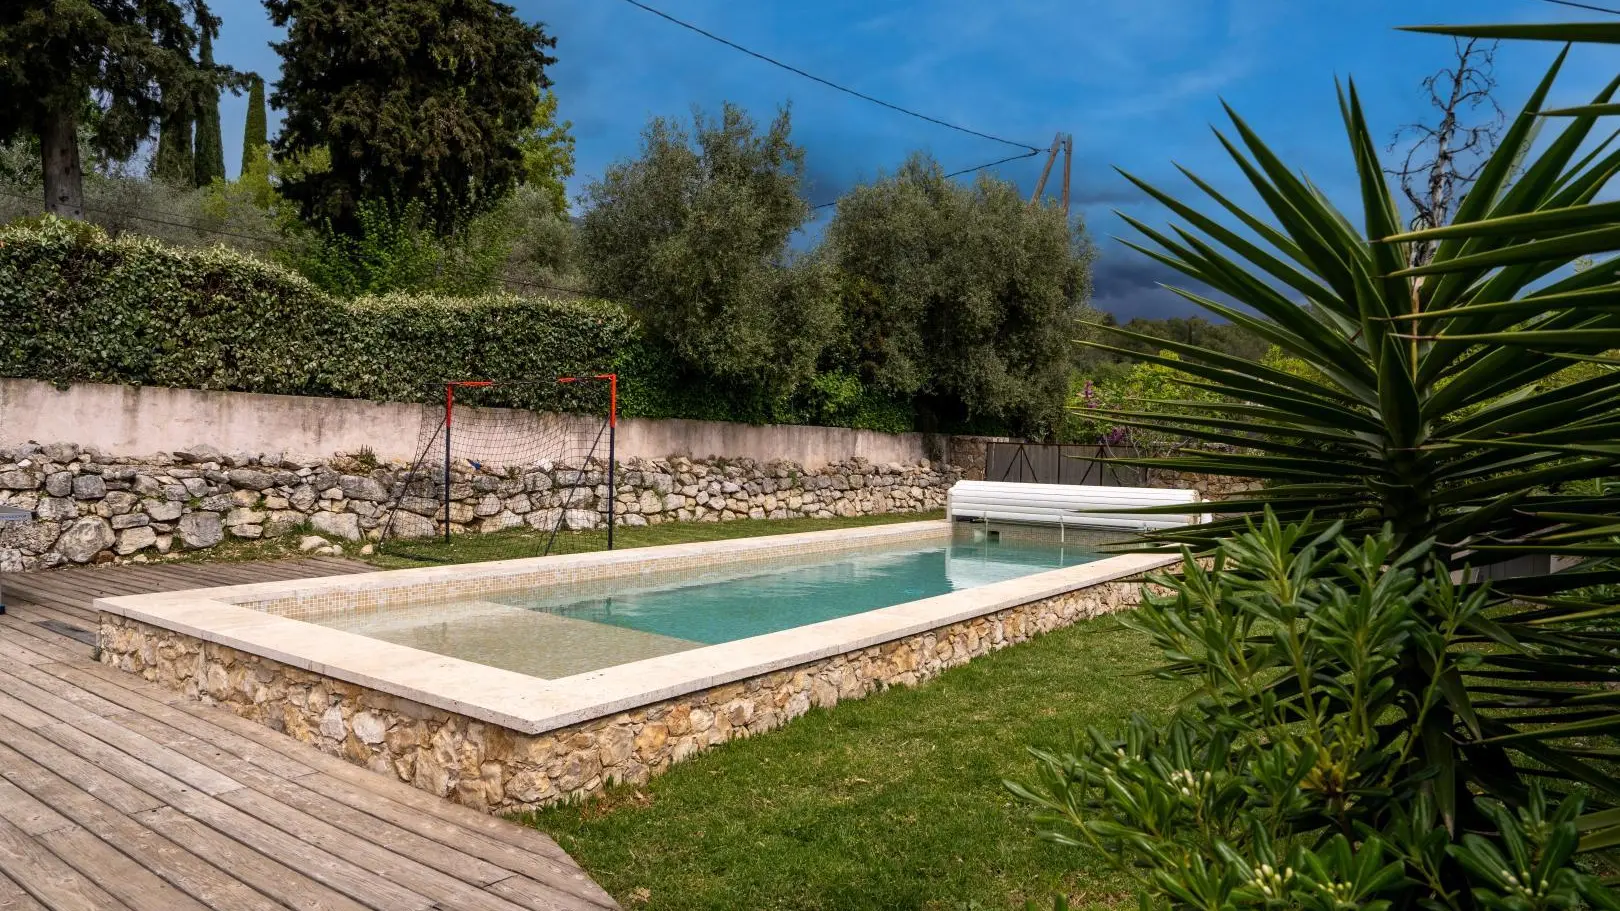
[495, 483]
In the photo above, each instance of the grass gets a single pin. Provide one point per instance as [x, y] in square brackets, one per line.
[519, 542]
[525, 542]
[889, 802]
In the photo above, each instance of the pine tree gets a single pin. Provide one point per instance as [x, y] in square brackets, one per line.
[418, 103]
[256, 132]
[209, 157]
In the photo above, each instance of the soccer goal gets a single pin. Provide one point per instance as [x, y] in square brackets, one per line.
[492, 482]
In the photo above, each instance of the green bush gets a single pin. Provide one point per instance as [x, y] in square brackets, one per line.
[1295, 774]
[78, 306]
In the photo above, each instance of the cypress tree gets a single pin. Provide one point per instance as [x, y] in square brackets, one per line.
[256, 133]
[133, 56]
[209, 158]
[172, 164]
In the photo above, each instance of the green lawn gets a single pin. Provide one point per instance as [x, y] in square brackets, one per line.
[527, 542]
[889, 802]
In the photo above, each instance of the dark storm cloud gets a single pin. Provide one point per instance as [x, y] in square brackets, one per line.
[1129, 284]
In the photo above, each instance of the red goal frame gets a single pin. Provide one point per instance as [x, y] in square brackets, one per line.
[612, 379]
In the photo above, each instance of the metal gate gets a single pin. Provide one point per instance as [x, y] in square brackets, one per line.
[1050, 463]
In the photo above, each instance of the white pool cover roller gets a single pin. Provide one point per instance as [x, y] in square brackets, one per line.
[1071, 505]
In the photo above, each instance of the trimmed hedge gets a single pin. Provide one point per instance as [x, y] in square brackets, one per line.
[78, 306]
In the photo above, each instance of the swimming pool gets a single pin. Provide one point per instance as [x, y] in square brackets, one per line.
[558, 630]
[521, 725]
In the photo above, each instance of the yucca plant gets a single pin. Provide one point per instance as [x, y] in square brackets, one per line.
[1430, 412]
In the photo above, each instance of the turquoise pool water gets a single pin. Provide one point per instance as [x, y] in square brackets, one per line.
[721, 607]
[561, 631]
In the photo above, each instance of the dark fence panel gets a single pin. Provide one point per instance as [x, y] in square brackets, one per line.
[1047, 463]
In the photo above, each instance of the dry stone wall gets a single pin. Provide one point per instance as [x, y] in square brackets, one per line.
[493, 768]
[88, 506]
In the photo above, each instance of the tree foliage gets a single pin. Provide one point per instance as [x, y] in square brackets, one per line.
[693, 236]
[208, 152]
[962, 295]
[418, 102]
[548, 153]
[255, 129]
[56, 54]
[174, 162]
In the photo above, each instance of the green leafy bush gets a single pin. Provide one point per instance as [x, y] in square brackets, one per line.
[79, 306]
[1301, 774]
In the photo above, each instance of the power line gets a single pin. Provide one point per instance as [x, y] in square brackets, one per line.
[1586, 6]
[830, 84]
[978, 167]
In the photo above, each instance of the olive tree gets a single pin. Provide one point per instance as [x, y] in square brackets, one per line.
[693, 235]
[962, 295]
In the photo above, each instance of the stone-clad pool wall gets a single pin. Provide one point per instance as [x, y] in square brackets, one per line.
[492, 767]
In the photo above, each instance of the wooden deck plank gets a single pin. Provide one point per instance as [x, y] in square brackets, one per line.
[83, 773]
[191, 786]
[24, 811]
[168, 722]
[115, 737]
[13, 898]
[521, 837]
[187, 871]
[115, 793]
[46, 877]
[21, 627]
[137, 887]
[224, 749]
[443, 858]
[286, 885]
[523, 851]
[318, 864]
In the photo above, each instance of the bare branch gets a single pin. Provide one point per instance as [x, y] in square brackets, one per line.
[1442, 159]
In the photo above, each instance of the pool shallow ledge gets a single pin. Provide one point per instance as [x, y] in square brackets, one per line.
[223, 645]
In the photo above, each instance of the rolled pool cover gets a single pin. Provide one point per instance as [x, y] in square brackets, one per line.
[1069, 505]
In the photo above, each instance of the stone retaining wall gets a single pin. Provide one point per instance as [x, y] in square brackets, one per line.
[1209, 486]
[92, 507]
[492, 768]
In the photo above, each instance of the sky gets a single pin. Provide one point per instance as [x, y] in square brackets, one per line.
[1138, 83]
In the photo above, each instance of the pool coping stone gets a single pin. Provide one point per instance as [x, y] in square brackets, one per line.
[532, 705]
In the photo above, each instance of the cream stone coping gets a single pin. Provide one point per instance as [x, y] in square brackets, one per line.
[531, 705]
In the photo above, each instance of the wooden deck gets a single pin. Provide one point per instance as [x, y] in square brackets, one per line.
[118, 794]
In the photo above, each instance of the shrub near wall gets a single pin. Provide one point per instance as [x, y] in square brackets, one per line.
[77, 306]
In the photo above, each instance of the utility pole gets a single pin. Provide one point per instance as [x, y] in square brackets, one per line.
[1062, 142]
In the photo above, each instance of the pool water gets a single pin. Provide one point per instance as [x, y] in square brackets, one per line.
[556, 631]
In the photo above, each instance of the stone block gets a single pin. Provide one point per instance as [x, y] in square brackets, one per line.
[131, 540]
[201, 529]
[84, 538]
[357, 487]
[250, 479]
[57, 509]
[338, 525]
[162, 510]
